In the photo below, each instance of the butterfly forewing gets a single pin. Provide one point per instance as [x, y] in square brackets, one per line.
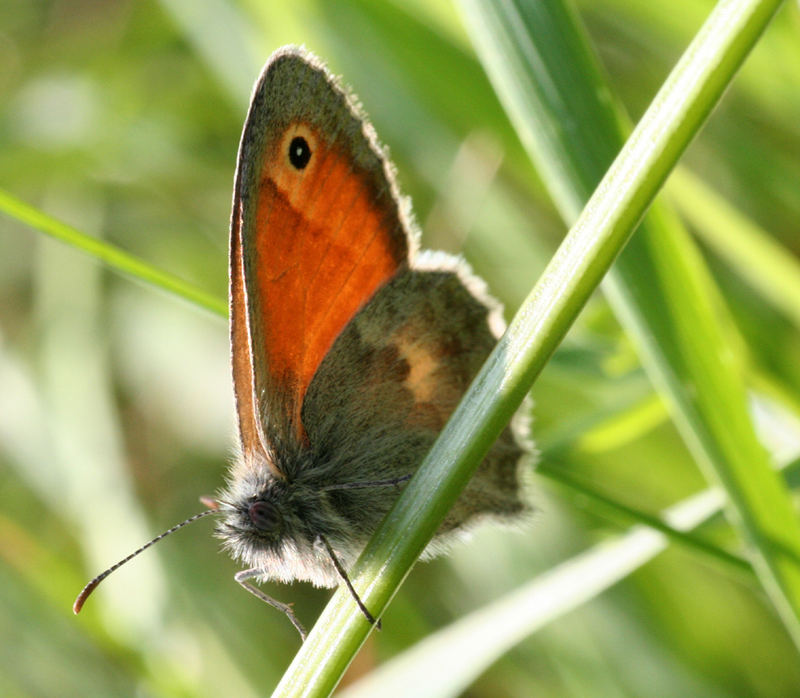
[321, 231]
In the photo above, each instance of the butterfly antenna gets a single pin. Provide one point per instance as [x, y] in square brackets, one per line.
[343, 574]
[91, 586]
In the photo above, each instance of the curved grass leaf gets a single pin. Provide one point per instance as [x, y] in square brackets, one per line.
[590, 247]
[121, 261]
[768, 267]
[543, 70]
[447, 662]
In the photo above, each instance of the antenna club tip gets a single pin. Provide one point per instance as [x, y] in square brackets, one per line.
[85, 593]
[213, 506]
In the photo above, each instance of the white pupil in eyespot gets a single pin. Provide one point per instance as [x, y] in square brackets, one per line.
[299, 152]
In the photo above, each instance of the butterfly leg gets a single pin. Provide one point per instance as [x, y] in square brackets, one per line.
[244, 575]
[343, 574]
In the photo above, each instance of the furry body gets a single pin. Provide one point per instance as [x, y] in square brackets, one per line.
[350, 349]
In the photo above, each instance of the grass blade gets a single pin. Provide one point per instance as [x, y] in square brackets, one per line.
[550, 84]
[115, 258]
[770, 269]
[447, 662]
[589, 249]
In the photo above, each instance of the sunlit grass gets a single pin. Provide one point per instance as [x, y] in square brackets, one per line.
[116, 412]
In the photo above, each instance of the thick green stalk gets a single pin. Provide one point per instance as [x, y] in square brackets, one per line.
[545, 74]
[578, 266]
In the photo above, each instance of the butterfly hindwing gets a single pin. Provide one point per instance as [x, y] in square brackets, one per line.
[392, 380]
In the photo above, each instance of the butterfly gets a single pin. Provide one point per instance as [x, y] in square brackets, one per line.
[350, 346]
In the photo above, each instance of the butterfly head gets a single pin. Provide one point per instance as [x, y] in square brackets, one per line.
[259, 520]
[259, 505]
[275, 524]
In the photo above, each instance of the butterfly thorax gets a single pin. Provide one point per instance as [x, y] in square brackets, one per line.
[277, 524]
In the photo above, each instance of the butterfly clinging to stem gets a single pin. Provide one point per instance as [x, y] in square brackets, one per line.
[350, 347]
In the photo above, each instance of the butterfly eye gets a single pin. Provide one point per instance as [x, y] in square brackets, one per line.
[264, 516]
[299, 152]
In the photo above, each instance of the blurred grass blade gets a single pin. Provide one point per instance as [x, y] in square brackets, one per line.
[539, 60]
[78, 239]
[578, 266]
[115, 258]
[589, 498]
[769, 268]
[224, 38]
[447, 662]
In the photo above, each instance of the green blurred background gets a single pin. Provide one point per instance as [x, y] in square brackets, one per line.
[116, 413]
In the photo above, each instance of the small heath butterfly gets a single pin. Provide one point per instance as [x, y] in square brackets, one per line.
[350, 346]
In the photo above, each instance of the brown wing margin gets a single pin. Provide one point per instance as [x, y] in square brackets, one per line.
[249, 431]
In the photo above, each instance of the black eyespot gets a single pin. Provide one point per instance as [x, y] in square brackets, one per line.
[264, 516]
[299, 152]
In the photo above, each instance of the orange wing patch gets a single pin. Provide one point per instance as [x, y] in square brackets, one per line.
[325, 241]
